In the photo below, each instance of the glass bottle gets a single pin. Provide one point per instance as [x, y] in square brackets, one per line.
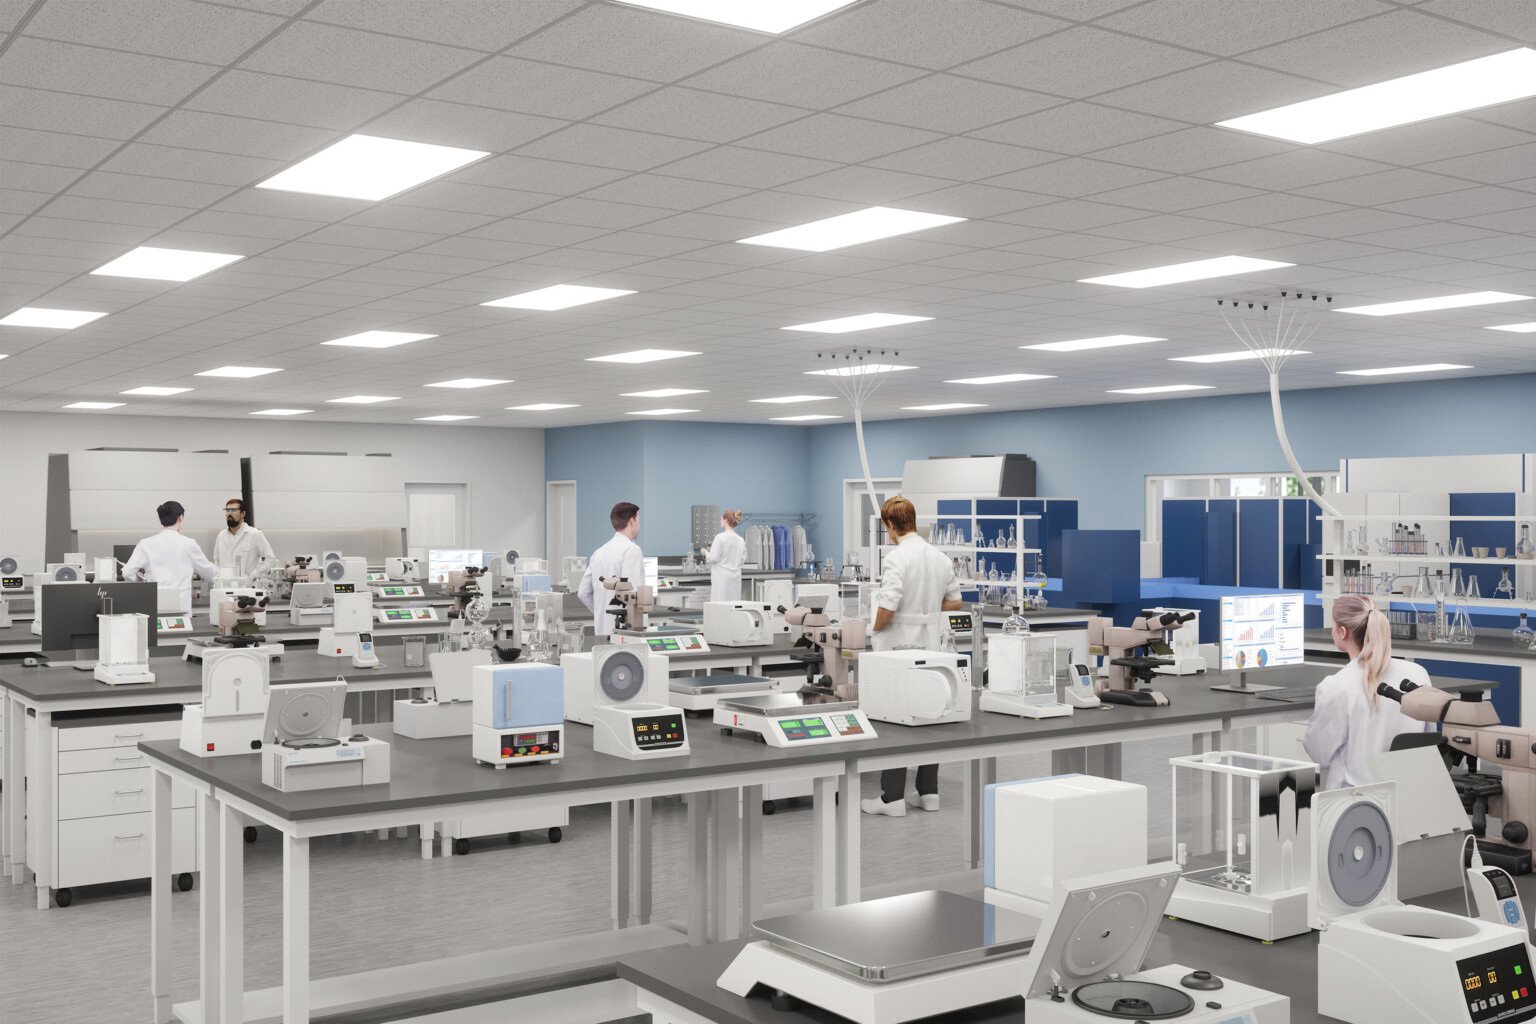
[1013, 542]
[1016, 625]
[1523, 547]
[1506, 588]
[1523, 633]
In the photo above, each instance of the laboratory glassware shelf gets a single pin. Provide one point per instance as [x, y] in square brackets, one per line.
[1428, 559]
[1414, 517]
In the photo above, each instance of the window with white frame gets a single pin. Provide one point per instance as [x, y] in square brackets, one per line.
[1227, 485]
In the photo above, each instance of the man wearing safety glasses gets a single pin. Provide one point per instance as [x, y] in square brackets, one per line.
[241, 547]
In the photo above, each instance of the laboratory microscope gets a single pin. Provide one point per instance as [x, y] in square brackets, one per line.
[1118, 645]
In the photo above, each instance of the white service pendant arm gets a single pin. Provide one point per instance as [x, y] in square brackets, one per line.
[869, 481]
[1285, 446]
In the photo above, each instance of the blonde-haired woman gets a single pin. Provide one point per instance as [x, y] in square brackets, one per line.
[725, 557]
[1350, 721]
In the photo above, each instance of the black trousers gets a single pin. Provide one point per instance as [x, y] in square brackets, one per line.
[893, 782]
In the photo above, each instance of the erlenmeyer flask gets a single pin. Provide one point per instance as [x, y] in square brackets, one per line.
[1506, 589]
[1458, 551]
[1421, 585]
[1474, 592]
[1457, 592]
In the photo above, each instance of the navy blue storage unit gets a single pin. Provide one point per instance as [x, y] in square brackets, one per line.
[1505, 697]
[1101, 566]
[1220, 543]
[1184, 537]
[1258, 537]
[1293, 539]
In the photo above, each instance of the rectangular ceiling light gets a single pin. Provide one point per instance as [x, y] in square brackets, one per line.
[363, 399]
[1233, 357]
[541, 407]
[644, 355]
[155, 392]
[851, 229]
[280, 412]
[238, 371]
[57, 319]
[95, 405]
[1529, 328]
[1084, 344]
[664, 393]
[446, 418]
[1178, 273]
[773, 16]
[1162, 389]
[862, 322]
[467, 382]
[805, 418]
[1002, 378]
[859, 370]
[378, 339]
[659, 412]
[165, 264]
[1421, 368]
[1439, 302]
[942, 406]
[368, 167]
[1449, 90]
[791, 399]
[559, 296]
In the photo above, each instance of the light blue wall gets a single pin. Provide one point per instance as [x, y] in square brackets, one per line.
[1099, 454]
[666, 468]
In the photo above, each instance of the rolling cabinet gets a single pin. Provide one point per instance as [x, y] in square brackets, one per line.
[102, 785]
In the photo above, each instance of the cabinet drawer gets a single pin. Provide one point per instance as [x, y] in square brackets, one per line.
[116, 848]
[127, 791]
[121, 734]
[101, 759]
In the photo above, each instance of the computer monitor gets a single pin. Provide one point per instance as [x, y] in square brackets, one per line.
[1260, 631]
[69, 611]
[442, 561]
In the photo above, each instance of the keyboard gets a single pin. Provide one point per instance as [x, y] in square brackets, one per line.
[1291, 695]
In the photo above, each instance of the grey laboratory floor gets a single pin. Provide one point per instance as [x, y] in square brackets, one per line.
[378, 904]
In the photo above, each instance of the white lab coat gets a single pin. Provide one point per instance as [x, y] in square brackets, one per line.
[725, 557]
[1344, 731]
[619, 557]
[916, 581]
[245, 550]
[169, 559]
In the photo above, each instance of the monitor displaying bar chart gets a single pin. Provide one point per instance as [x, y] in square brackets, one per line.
[1261, 630]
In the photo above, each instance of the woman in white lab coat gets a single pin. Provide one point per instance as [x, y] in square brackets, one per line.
[725, 557]
[1350, 720]
[917, 582]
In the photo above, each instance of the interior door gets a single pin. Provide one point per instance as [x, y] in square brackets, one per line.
[560, 523]
[433, 520]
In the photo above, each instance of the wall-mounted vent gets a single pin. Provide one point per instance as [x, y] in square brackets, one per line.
[307, 453]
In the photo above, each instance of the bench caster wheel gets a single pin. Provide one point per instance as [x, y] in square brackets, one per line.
[63, 897]
[184, 881]
[461, 847]
[769, 807]
[250, 833]
[555, 834]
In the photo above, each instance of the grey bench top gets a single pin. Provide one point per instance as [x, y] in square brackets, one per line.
[1491, 642]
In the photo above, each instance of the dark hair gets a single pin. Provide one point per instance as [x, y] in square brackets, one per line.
[170, 512]
[236, 501]
[899, 514]
[622, 513]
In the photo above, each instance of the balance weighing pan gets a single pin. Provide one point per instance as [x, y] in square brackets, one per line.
[724, 682]
[784, 705]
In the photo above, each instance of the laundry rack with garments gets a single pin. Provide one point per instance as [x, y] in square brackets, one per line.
[777, 540]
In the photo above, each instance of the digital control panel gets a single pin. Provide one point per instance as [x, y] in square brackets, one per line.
[960, 622]
[658, 731]
[377, 577]
[1497, 985]
[530, 744]
[173, 624]
[820, 727]
[12, 582]
[676, 644]
[400, 590]
[388, 615]
[343, 588]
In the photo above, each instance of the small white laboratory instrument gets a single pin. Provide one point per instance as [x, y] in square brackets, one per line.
[1242, 833]
[450, 709]
[572, 569]
[741, 623]
[1079, 689]
[663, 639]
[346, 570]
[307, 751]
[104, 570]
[518, 714]
[11, 576]
[405, 570]
[364, 656]
[640, 731]
[914, 687]
[308, 603]
[1184, 643]
[1085, 967]
[1494, 895]
[794, 720]
[1380, 962]
[396, 591]
[352, 615]
[123, 649]
[237, 683]
[407, 614]
[1021, 676]
[612, 674]
[1039, 832]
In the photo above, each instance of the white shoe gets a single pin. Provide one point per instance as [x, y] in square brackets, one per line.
[878, 806]
[927, 801]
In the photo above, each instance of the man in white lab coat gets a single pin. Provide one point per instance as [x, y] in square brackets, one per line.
[168, 558]
[621, 556]
[241, 547]
[917, 583]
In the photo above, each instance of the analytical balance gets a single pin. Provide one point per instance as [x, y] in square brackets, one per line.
[703, 693]
[519, 714]
[640, 731]
[392, 591]
[406, 614]
[237, 683]
[124, 649]
[663, 639]
[612, 674]
[1380, 962]
[795, 719]
[1243, 836]
[915, 687]
[1021, 674]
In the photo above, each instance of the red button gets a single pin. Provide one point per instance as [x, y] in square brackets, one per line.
[1522, 993]
[210, 746]
[506, 751]
[535, 750]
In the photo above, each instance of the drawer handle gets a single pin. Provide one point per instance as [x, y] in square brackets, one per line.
[129, 792]
[128, 757]
[127, 735]
[136, 835]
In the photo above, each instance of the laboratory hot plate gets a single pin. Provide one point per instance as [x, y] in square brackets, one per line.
[795, 719]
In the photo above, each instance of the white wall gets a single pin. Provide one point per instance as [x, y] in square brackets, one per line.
[502, 468]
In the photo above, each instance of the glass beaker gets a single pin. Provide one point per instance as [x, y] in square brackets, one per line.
[1506, 588]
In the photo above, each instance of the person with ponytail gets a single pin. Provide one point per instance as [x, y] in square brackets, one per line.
[725, 557]
[1350, 721]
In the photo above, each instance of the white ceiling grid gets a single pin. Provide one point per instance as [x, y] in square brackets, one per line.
[632, 149]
